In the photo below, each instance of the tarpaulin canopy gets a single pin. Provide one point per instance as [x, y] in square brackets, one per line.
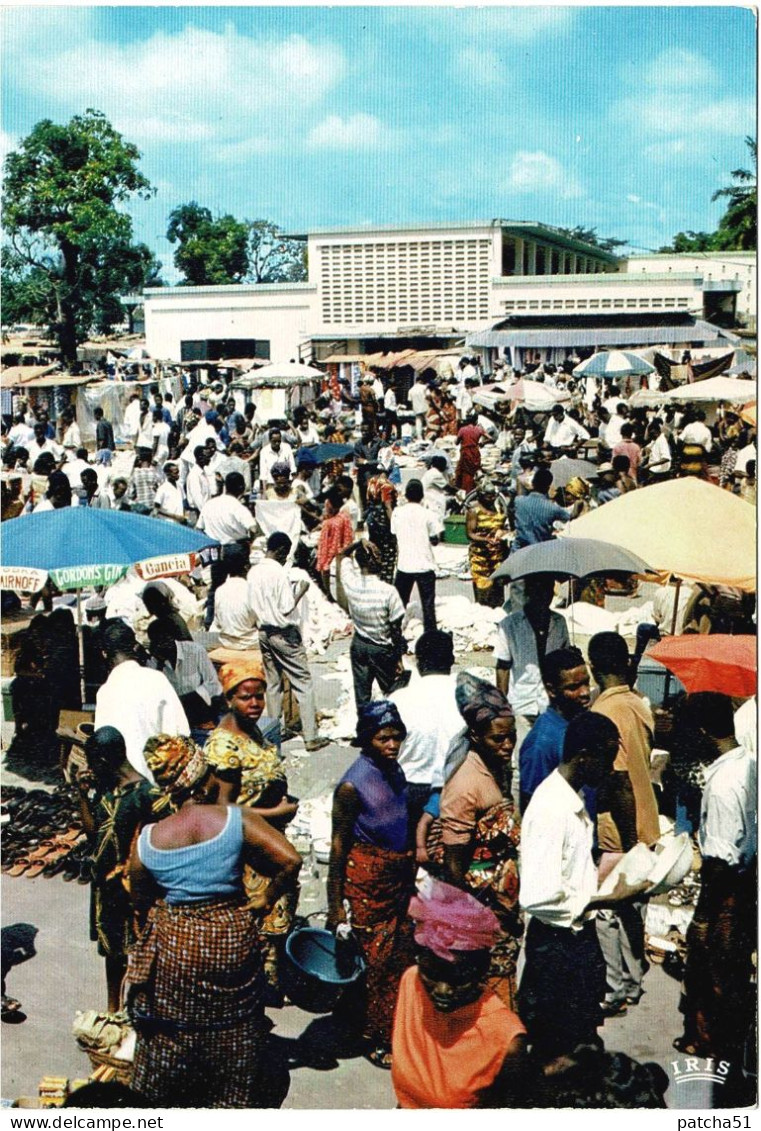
[710, 663]
[713, 389]
[686, 527]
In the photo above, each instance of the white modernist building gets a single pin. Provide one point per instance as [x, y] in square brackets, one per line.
[393, 287]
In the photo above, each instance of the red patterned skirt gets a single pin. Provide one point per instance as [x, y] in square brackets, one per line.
[379, 884]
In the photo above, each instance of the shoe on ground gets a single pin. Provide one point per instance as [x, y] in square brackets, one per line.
[614, 1008]
[634, 999]
[316, 744]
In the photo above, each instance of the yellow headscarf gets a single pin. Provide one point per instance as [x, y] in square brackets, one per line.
[236, 671]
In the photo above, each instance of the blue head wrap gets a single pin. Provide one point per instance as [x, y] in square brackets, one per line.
[305, 458]
[211, 416]
[374, 717]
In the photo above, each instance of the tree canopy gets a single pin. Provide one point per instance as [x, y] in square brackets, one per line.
[210, 251]
[272, 256]
[70, 250]
[590, 236]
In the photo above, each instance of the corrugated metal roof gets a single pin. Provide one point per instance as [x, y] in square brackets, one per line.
[700, 331]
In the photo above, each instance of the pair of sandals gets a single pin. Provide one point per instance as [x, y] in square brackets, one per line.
[50, 857]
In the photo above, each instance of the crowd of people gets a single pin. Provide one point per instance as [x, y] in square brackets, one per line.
[471, 832]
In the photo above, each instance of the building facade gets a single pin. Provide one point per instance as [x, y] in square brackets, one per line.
[425, 287]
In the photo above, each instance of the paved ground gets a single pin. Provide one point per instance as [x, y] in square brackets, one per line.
[66, 974]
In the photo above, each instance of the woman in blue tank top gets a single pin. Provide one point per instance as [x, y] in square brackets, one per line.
[195, 974]
[373, 867]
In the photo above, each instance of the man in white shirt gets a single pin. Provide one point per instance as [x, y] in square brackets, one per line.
[562, 432]
[191, 673]
[697, 432]
[563, 980]
[418, 399]
[430, 713]
[197, 490]
[41, 444]
[169, 502]
[234, 618]
[377, 612]
[21, 435]
[417, 531]
[719, 998]
[276, 451]
[138, 702]
[71, 438]
[613, 427]
[229, 522]
[160, 433]
[132, 414]
[273, 602]
[659, 457]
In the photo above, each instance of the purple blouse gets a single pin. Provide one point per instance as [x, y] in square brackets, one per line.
[383, 819]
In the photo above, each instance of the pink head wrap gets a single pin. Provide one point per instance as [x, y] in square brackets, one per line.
[447, 919]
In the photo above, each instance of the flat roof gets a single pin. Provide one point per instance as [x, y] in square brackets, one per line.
[539, 231]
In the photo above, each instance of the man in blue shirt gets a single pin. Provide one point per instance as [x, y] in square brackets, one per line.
[535, 513]
[566, 679]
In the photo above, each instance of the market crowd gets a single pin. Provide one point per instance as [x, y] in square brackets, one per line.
[488, 980]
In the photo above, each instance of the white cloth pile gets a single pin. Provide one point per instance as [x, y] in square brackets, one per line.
[473, 627]
[340, 724]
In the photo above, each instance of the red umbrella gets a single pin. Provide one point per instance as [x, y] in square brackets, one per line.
[711, 663]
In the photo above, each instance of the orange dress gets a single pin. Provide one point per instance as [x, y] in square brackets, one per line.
[447, 1060]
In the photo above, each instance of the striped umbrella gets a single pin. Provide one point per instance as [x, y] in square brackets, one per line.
[614, 363]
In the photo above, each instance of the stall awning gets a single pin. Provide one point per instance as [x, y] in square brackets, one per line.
[575, 337]
[16, 375]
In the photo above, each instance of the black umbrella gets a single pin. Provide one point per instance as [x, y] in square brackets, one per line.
[570, 558]
[565, 469]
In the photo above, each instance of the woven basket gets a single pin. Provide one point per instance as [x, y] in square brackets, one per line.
[121, 1070]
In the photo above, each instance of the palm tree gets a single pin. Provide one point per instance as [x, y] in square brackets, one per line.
[737, 227]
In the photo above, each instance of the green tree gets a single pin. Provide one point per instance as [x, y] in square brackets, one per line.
[684, 242]
[210, 251]
[67, 231]
[272, 256]
[737, 229]
[590, 236]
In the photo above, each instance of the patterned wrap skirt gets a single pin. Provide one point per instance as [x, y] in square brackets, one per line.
[379, 884]
[196, 1000]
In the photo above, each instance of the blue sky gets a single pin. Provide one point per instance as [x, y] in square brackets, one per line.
[623, 119]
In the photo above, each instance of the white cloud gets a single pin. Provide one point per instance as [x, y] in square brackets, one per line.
[662, 152]
[539, 172]
[192, 85]
[358, 131]
[676, 69]
[473, 66]
[239, 152]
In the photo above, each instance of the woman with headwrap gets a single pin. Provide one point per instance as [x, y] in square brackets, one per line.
[379, 506]
[485, 525]
[196, 988]
[480, 826]
[251, 773]
[373, 868]
[455, 1043]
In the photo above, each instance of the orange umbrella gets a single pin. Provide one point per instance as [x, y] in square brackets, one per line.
[711, 663]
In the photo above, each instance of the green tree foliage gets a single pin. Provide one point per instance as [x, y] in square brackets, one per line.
[590, 236]
[690, 241]
[69, 241]
[210, 251]
[738, 226]
[272, 256]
